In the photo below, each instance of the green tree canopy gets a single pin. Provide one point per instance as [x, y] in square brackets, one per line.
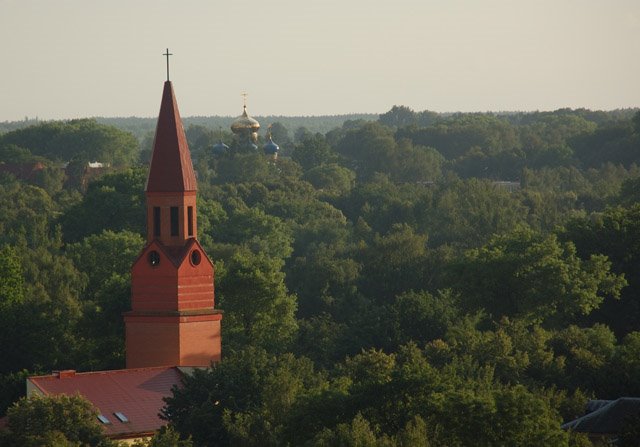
[243, 400]
[114, 202]
[313, 151]
[614, 233]
[83, 139]
[258, 308]
[532, 276]
[54, 420]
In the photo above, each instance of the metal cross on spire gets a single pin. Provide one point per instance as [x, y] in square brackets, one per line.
[167, 54]
[244, 98]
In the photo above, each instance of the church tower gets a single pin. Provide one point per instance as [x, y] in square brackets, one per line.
[172, 321]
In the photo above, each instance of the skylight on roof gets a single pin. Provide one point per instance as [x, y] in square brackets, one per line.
[103, 419]
[121, 416]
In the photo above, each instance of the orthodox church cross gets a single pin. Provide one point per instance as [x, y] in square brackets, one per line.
[244, 98]
[167, 54]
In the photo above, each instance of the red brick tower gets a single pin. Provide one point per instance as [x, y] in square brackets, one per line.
[172, 321]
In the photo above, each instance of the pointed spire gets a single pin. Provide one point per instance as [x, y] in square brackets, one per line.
[171, 169]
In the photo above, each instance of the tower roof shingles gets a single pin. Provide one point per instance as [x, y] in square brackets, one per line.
[171, 169]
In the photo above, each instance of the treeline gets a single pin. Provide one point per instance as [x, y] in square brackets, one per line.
[142, 128]
[455, 280]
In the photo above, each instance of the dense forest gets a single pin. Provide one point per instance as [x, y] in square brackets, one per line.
[142, 128]
[412, 279]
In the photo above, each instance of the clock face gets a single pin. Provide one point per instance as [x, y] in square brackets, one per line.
[154, 258]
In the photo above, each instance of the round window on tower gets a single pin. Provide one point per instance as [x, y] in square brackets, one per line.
[196, 257]
[154, 258]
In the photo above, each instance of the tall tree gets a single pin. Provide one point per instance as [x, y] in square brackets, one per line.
[259, 310]
[399, 116]
[82, 139]
[115, 202]
[54, 420]
[532, 276]
[614, 233]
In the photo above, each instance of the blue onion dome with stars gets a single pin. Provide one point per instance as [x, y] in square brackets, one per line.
[270, 148]
[220, 148]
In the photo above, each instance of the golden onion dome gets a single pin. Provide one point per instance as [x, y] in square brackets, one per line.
[244, 123]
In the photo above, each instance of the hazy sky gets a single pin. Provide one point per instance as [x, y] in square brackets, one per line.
[80, 58]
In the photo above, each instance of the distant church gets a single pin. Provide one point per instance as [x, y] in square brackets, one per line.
[246, 130]
[173, 325]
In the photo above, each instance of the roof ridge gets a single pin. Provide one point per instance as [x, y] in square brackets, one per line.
[105, 372]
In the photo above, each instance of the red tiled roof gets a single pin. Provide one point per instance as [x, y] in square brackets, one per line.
[171, 169]
[136, 393]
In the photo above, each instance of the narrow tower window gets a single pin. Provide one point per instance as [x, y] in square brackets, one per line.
[174, 221]
[190, 220]
[156, 221]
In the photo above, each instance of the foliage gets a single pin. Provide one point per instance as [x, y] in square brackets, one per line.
[12, 284]
[331, 179]
[535, 277]
[372, 149]
[26, 214]
[244, 400]
[382, 284]
[393, 263]
[468, 213]
[106, 260]
[422, 317]
[313, 151]
[39, 322]
[102, 255]
[256, 230]
[11, 389]
[457, 135]
[54, 420]
[82, 139]
[115, 202]
[402, 116]
[167, 436]
[615, 233]
[260, 309]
